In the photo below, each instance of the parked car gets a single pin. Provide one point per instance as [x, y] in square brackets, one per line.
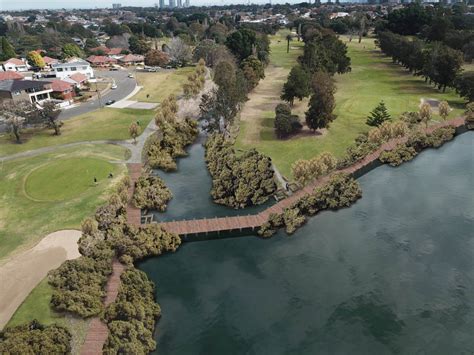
[113, 69]
[130, 75]
[114, 86]
[110, 102]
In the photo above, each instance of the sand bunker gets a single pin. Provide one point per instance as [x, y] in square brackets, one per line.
[22, 272]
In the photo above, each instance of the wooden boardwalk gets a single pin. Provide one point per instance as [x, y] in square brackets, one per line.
[250, 223]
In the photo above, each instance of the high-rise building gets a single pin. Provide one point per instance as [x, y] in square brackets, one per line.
[162, 4]
[116, 6]
[180, 3]
[186, 2]
[172, 4]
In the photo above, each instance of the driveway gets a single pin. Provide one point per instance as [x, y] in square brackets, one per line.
[125, 86]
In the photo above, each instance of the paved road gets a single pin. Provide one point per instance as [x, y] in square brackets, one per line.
[125, 86]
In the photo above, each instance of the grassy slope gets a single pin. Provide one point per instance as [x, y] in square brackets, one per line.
[24, 221]
[373, 78]
[161, 84]
[106, 123]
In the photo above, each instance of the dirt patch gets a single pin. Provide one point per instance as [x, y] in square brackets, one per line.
[432, 102]
[22, 272]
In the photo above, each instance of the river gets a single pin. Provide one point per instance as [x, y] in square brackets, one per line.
[392, 274]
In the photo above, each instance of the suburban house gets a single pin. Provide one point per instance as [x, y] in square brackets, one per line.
[21, 90]
[62, 90]
[77, 79]
[50, 61]
[65, 70]
[101, 61]
[14, 64]
[132, 59]
[10, 75]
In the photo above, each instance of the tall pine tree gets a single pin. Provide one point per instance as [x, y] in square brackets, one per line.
[6, 50]
[379, 115]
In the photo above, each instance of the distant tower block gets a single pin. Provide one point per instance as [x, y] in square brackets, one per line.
[172, 4]
[116, 6]
[187, 3]
[162, 4]
[180, 3]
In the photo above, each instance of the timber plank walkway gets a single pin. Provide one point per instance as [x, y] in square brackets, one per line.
[250, 223]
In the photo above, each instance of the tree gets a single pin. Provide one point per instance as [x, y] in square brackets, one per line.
[6, 49]
[134, 131]
[465, 85]
[289, 38]
[443, 65]
[297, 85]
[443, 109]
[242, 42]
[71, 50]
[253, 71]
[285, 122]
[179, 50]
[138, 45]
[322, 103]
[378, 115]
[425, 113]
[15, 115]
[49, 116]
[35, 59]
[156, 58]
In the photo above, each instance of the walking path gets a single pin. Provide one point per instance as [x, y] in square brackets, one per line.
[239, 223]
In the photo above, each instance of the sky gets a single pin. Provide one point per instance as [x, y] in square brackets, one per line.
[90, 4]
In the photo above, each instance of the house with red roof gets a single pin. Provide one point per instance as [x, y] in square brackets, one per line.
[10, 75]
[115, 51]
[63, 90]
[77, 79]
[101, 61]
[50, 61]
[15, 64]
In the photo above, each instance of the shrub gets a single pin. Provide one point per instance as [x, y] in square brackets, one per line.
[285, 122]
[151, 192]
[238, 181]
[34, 338]
[305, 171]
[400, 154]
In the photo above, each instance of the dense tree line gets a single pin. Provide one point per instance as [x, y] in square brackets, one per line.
[151, 192]
[162, 149]
[34, 338]
[340, 191]
[196, 80]
[238, 181]
[436, 62]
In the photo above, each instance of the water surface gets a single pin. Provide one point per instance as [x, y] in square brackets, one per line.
[392, 274]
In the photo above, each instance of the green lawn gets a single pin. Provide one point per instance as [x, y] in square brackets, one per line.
[373, 78]
[278, 45]
[161, 84]
[37, 306]
[102, 124]
[58, 202]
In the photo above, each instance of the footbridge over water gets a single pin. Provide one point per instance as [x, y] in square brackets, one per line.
[202, 227]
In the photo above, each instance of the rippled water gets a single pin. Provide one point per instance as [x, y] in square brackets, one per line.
[392, 274]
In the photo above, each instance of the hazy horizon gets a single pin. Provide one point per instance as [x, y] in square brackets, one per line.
[91, 4]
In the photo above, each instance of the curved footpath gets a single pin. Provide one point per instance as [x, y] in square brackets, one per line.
[23, 271]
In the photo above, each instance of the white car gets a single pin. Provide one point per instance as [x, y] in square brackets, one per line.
[114, 86]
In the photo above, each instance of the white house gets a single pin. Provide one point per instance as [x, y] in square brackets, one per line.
[14, 64]
[65, 70]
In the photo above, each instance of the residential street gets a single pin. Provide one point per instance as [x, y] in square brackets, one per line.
[125, 86]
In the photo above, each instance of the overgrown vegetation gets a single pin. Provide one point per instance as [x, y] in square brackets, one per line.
[340, 191]
[34, 338]
[162, 149]
[131, 318]
[238, 181]
[151, 192]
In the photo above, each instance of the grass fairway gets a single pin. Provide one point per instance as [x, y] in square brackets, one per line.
[161, 84]
[66, 178]
[373, 78]
[103, 124]
[37, 306]
[25, 220]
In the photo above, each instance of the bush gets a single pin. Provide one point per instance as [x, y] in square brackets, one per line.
[162, 152]
[34, 338]
[131, 318]
[400, 154]
[285, 122]
[305, 171]
[238, 181]
[340, 191]
[151, 192]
